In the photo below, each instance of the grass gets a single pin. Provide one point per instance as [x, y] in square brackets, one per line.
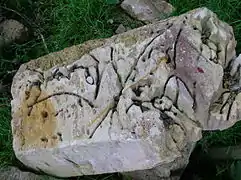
[56, 24]
[6, 152]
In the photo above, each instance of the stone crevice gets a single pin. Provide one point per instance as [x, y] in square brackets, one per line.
[141, 54]
[100, 122]
[63, 93]
[98, 79]
[229, 100]
[229, 110]
[175, 47]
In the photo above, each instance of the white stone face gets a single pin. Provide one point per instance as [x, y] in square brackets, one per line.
[137, 101]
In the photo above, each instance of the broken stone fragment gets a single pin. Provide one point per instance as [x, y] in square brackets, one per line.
[136, 101]
[121, 29]
[148, 11]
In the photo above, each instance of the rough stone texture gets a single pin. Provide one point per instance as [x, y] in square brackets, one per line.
[169, 171]
[121, 29]
[148, 11]
[12, 31]
[136, 101]
[12, 173]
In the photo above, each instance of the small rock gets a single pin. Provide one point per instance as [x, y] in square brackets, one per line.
[13, 31]
[121, 29]
[147, 11]
[111, 21]
[163, 7]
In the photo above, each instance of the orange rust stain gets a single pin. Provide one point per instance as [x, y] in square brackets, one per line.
[38, 121]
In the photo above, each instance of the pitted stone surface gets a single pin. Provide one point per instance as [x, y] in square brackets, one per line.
[132, 102]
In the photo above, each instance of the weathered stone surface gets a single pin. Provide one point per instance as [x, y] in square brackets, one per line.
[13, 173]
[147, 11]
[136, 101]
[121, 29]
[169, 171]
